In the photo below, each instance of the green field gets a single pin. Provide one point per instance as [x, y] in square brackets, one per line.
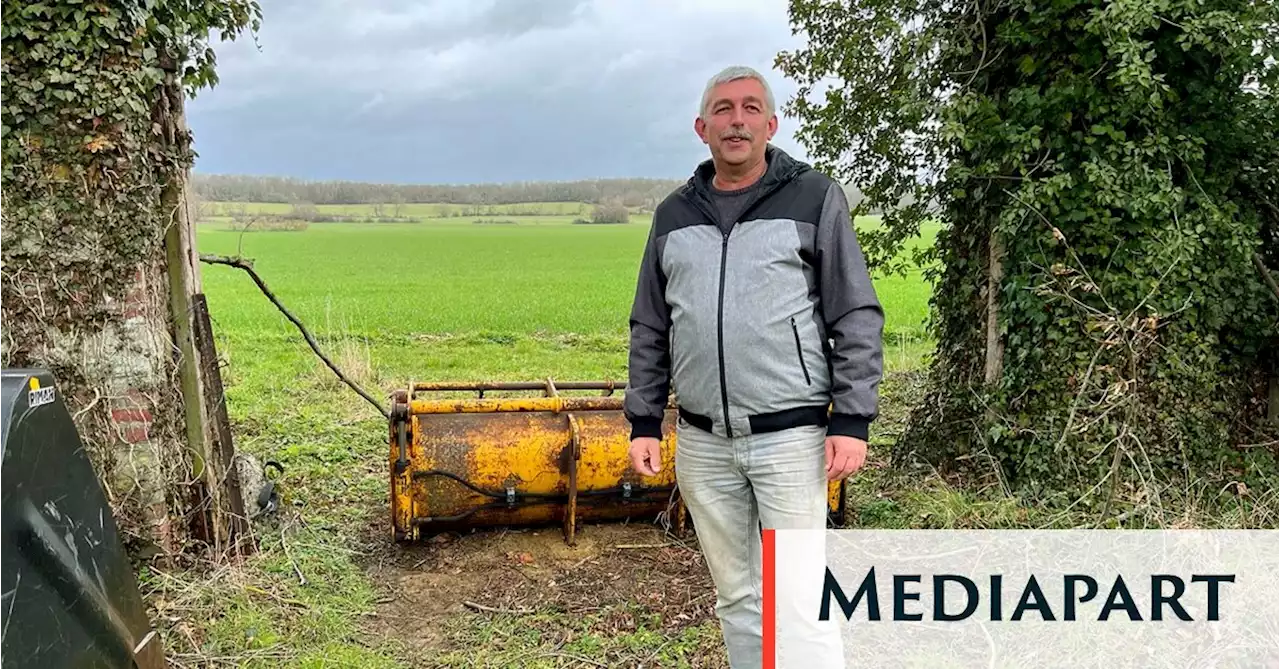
[541, 277]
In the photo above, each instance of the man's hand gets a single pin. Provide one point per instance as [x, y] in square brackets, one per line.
[646, 455]
[845, 456]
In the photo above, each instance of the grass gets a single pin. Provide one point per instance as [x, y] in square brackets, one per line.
[546, 640]
[389, 302]
[260, 614]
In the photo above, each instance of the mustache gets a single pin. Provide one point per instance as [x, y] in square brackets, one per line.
[737, 133]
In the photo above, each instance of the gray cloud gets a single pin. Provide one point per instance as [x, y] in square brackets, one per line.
[464, 92]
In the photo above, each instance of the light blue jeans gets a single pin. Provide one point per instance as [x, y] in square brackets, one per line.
[733, 488]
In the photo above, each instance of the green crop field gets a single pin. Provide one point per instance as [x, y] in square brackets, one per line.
[542, 279]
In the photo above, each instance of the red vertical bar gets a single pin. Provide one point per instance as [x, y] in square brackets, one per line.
[769, 605]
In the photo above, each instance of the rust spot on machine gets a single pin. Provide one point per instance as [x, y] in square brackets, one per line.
[469, 462]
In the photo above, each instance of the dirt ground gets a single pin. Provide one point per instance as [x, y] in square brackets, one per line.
[619, 572]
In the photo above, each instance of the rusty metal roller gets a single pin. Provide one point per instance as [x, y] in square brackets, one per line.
[472, 462]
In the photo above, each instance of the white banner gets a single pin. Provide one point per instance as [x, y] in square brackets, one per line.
[997, 599]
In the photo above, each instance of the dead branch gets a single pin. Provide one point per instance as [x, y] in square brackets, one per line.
[1266, 276]
[491, 609]
[1075, 404]
[571, 656]
[284, 543]
[145, 640]
[1062, 238]
[247, 266]
[652, 656]
[1266, 444]
[1112, 473]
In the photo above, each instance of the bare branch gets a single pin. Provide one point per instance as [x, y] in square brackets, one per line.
[1266, 276]
[247, 266]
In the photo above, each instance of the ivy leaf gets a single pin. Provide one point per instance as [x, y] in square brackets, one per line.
[99, 143]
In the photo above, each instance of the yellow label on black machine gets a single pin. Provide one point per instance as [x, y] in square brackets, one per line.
[560, 458]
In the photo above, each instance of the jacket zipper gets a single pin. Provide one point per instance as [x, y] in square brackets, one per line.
[800, 352]
[724, 259]
[724, 388]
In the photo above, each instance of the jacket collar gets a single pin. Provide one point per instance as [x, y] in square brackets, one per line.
[780, 169]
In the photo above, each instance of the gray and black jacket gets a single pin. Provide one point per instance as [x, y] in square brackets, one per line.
[770, 326]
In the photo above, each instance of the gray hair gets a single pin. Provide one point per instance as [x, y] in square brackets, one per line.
[735, 73]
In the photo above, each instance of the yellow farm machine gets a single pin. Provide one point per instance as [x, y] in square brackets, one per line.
[475, 455]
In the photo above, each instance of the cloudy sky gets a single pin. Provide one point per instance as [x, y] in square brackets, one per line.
[467, 91]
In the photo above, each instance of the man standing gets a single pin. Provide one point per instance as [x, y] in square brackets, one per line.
[754, 304]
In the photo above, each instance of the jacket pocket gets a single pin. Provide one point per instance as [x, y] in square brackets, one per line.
[800, 352]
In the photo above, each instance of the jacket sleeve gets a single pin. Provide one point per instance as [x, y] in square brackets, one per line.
[854, 320]
[649, 359]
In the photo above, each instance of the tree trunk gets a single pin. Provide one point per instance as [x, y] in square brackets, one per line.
[217, 509]
[111, 317]
[995, 345]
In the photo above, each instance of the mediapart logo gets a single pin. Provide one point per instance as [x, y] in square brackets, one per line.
[1165, 592]
[1022, 598]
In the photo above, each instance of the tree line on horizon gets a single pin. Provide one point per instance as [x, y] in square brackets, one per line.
[635, 193]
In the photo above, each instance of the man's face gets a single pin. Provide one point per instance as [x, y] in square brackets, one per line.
[736, 123]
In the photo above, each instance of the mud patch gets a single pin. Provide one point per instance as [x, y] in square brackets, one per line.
[621, 575]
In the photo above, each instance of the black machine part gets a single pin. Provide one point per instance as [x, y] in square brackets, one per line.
[70, 596]
[269, 496]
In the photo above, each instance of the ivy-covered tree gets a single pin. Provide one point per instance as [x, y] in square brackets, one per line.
[95, 156]
[1104, 174]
